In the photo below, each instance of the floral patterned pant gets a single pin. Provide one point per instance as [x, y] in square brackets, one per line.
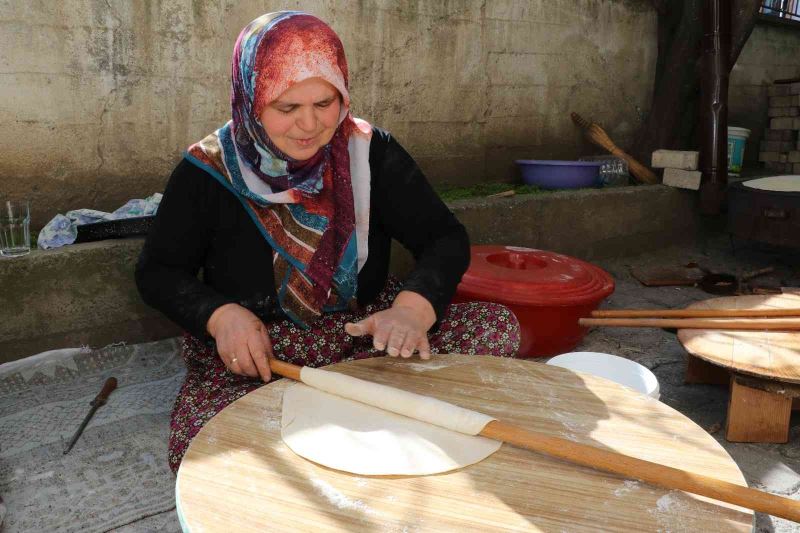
[477, 328]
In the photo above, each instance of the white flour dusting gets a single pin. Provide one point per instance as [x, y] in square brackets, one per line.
[271, 420]
[674, 512]
[627, 486]
[272, 423]
[210, 435]
[573, 427]
[666, 503]
[570, 436]
[489, 379]
[338, 499]
[643, 398]
[229, 458]
[426, 367]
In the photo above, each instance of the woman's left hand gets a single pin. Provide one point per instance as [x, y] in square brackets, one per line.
[400, 330]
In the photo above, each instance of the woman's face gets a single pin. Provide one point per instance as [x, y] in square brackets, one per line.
[303, 118]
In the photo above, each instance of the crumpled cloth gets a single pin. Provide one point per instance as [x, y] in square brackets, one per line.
[63, 229]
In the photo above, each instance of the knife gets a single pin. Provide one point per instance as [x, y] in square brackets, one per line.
[100, 399]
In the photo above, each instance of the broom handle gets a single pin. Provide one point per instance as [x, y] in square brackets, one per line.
[602, 139]
[694, 313]
[693, 323]
[617, 463]
[640, 171]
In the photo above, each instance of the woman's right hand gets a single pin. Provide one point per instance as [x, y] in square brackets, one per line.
[242, 341]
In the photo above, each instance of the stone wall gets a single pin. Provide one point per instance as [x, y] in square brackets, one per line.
[98, 98]
[771, 53]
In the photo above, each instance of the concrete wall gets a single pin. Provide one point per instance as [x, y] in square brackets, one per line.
[85, 293]
[771, 53]
[72, 296]
[98, 98]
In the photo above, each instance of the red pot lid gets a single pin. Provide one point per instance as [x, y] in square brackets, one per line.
[525, 276]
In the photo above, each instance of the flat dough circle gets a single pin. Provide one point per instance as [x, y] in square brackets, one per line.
[358, 438]
[776, 183]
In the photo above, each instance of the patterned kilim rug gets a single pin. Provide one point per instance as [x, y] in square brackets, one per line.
[116, 476]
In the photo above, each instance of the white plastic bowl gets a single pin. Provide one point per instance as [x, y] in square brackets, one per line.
[612, 367]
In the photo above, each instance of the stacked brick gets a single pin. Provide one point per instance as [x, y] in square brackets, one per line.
[680, 168]
[780, 149]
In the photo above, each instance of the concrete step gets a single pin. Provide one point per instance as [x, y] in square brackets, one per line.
[85, 294]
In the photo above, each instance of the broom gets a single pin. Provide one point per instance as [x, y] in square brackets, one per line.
[597, 135]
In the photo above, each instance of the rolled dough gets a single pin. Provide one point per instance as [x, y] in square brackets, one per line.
[355, 437]
[398, 401]
[776, 183]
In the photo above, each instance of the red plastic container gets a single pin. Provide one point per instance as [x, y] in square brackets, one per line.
[548, 292]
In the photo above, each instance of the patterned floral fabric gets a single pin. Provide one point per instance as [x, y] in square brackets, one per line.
[313, 213]
[477, 328]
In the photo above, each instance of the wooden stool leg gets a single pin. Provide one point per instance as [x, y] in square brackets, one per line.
[757, 416]
[699, 371]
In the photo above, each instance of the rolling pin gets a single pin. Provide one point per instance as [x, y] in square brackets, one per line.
[607, 460]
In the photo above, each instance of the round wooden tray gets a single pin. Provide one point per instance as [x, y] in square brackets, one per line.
[771, 355]
[239, 476]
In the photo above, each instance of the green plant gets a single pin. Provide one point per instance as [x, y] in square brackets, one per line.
[451, 192]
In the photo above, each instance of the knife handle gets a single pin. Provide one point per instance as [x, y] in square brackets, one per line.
[108, 388]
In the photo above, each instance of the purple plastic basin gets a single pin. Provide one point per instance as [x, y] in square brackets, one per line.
[560, 174]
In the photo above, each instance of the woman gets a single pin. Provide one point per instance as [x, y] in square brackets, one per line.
[289, 210]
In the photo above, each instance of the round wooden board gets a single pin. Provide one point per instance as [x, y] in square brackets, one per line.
[238, 475]
[772, 355]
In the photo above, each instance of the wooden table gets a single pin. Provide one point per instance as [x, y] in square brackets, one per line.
[761, 368]
[239, 476]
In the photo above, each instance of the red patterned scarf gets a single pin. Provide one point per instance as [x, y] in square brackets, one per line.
[313, 213]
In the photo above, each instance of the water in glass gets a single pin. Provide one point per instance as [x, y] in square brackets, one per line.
[15, 233]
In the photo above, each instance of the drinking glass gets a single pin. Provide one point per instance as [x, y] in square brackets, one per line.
[614, 171]
[15, 228]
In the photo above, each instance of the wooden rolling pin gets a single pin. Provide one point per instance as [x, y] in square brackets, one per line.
[695, 313]
[693, 323]
[597, 135]
[623, 465]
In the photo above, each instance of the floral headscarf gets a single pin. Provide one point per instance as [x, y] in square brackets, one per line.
[313, 213]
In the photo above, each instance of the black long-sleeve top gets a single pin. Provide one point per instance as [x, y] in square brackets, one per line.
[202, 225]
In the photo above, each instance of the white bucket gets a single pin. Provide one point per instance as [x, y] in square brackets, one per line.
[737, 138]
[617, 369]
